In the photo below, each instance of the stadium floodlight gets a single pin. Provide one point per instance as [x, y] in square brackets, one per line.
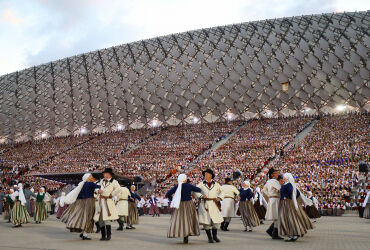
[285, 87]
[306, 109]
[44, 135]
[83, 131]
[120, 126]
[340, 107]
[229, 116]
[268, 113]
[154, 123]
[195, 119]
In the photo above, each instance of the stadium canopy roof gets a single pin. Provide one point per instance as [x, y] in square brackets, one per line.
[206, 75]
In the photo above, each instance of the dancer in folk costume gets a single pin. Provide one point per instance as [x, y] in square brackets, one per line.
[248, 213]
[80, 212]
[32, 202]
[19, 213]
[272, 191]
[47, 200]
[313, 210]
[9, 202]
[366, 205]
[141, 206]
[290, 221]
[28, 194]
[210, 208]
[122, 197]
[133, 213]
[230, 193]
[61, 206]
[106, 211]
[184, 219]
[260, 205]
[154, 211]
[40, 207]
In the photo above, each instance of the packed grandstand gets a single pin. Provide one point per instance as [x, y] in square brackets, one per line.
[289, 93]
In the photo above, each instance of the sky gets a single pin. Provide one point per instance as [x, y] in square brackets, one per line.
[34, 32]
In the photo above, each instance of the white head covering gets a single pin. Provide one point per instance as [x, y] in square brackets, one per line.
[72, 196]
[290, 179]
[22, 198]
[42, 190]
[11, 190]
[175, 203]
[246, 182]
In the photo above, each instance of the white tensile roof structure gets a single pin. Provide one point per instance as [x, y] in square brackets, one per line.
[207, 75]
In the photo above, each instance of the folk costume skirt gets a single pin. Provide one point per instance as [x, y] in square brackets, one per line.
[61, 210]
[19, 214]
[79, 216]
[248, 214]
[40, 212]
[184, 221]
[290, 222]
[133, 214]
[312, 212]
[260, 210]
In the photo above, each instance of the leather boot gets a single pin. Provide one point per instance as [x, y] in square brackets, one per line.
[270, 230]
[209, 235]
[186, 240]
[97, 227]
[214, 234]
[275, 235]
[120, 223]
[226, 226]
[103, 233]
[109, 232]
[223, 226]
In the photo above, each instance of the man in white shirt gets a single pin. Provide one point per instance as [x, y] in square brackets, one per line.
[272, 191]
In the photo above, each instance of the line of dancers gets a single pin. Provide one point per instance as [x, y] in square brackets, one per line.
[102, 202]
[217, 206]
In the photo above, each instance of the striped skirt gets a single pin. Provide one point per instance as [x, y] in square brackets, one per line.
[304, 218]
[133, 214]
[290, 222]
[260, 210]
[184, 221]
[79, 216]
[19, 214]
[32, 207]
[61, 211]
[40, 212]
[312, 212]
[248, 214]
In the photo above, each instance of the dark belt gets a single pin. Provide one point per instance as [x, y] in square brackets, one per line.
[274, 197]
[106, 202]
[218, 204]
[229, 197]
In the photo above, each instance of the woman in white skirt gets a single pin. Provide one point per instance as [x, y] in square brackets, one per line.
[184, 219]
